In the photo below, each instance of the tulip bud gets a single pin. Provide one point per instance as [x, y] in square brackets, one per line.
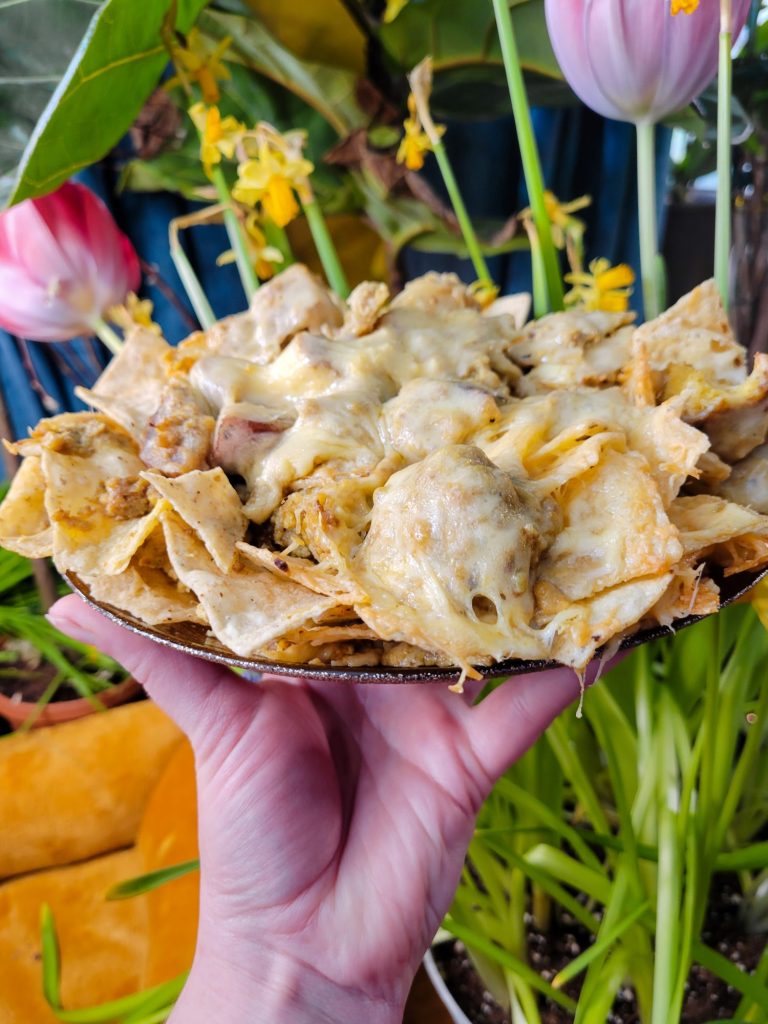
[633, 60]
[63, 264]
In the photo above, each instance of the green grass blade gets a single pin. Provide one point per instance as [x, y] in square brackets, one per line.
[598, 948]
[573, 770]
[51, 961]
[570, 871]
[747, 984]
[502, 956]
[152, 880]
[148, 1000]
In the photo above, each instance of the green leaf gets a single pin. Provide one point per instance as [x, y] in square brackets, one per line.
[152, 880]
[51, 962]
[131, 1007]
[116, 66]
[330, 91]
[460, 36]
[37, 41]
[598, 948]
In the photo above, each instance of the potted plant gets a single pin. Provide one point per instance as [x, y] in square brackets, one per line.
[616, 870]
[46, 677]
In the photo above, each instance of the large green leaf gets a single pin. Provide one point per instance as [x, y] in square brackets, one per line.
[330, 91]
[461, 38]
[116, 66]
[37, 41]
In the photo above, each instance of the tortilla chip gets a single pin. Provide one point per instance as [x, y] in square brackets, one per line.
[24, 524]
[616, 529]
[747, 483]
[77, 465]
[583, 628]
[517, 306]
[705, 520]
[128, 391]
[247, 608]
[208, 503]
[305, 572]
[695, 331]
[701, 398]
[148, 594]
[737, 432]
[689, 593]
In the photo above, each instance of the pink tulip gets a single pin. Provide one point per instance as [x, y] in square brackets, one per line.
[633, 60]
[63, 263]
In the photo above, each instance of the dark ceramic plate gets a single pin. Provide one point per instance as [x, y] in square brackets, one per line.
[191, 638]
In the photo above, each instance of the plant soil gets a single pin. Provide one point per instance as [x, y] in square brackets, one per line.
[707, 997]
[27, 679]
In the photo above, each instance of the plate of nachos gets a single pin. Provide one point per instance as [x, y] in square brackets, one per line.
[408, 488]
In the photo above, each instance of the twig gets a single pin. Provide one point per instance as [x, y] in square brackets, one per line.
[154, 277]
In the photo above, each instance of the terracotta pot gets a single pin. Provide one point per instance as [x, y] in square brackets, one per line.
[16, 712]
[444, 993]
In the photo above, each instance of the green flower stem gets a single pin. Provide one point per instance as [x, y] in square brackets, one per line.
[534, 179]
[326, 250]
[190, 281]
[100, 327]
[278, 238]
[236, 236]
[723, 208]
[457, 202]
[646, 196]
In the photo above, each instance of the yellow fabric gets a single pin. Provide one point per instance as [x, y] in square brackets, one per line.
[167, 836]
[79, 789]
[102, 944]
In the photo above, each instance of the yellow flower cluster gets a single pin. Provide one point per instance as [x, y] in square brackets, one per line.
[134, 312]
[604, 287]
[415, 144]
[195, 62]
[274, 173]
[219, 136]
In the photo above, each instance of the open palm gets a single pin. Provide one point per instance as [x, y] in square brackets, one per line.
[333, 818]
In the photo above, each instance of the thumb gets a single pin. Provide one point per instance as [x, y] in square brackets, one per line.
[181, 685]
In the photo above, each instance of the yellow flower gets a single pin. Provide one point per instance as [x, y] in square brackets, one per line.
[218, 136]
[415, 144]
[392, 10]
[134, 312]
[262, 255]
[684, 6]
[271, 177]
[194, 61]
[604, 287]
[564, 225]
[483, 292]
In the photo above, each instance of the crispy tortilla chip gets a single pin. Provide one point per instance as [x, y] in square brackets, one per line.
[206, 501]
[78, 463]
[517, 306]
[584, 627]
[637, 379]
[616, 529]
[148, 594]
[722, 532]
[309, 574]
[737, 432]
[247, 608]
[702, 399]
[24, 524]
[689, 593]
[128, 391]
[695, 331]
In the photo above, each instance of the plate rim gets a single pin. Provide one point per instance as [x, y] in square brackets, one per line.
[739, 583]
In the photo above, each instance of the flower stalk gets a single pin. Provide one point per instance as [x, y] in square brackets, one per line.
[104, 332]
[534, 179]
[646, 200]
[457, 202]
[236, 235]
[724, 104]
[189, 278]
[326, 250]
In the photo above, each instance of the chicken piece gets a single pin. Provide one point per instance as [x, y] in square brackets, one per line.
[366, 304]
[457, 578]
[436, 293]
[429, 414]
[178, 438]
[572, 348]
[244, 433]
[293, 301]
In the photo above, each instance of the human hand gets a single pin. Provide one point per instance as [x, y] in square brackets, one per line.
[333, 823]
